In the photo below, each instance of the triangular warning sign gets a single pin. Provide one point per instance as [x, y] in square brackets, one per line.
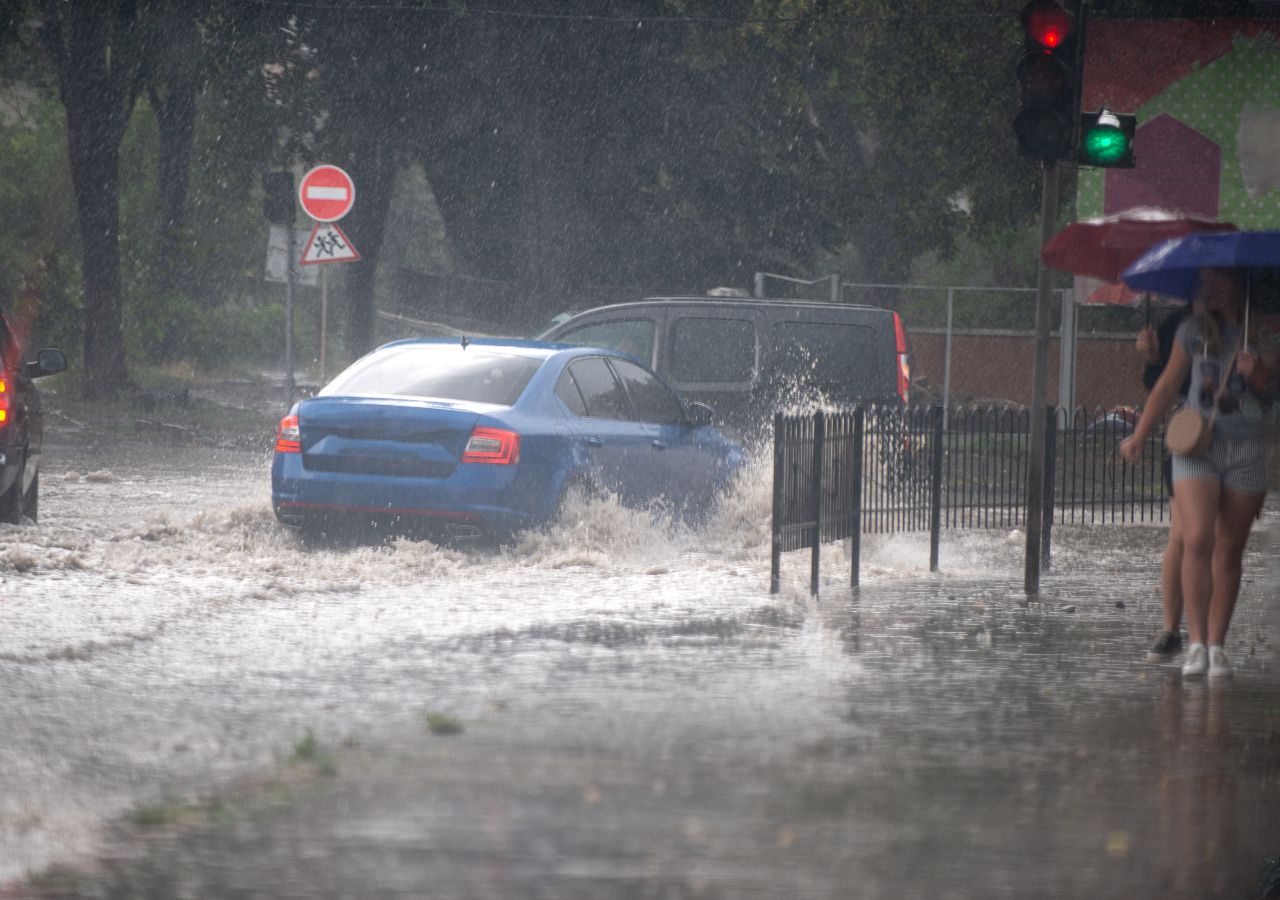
[328, 244]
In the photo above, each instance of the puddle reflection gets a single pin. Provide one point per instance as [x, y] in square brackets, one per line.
[1206, 785]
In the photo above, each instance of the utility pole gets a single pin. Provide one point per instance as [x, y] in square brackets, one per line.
[1049, 79]
[1040, 385]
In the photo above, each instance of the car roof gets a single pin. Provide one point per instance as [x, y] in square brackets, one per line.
[732, 302]
[537, 349]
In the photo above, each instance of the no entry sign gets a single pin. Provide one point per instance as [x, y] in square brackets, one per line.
[326, 193]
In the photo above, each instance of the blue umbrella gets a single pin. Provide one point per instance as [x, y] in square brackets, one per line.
[1173, 267]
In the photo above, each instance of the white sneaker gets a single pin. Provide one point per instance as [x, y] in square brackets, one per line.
[1196, 662]
[1219, 665]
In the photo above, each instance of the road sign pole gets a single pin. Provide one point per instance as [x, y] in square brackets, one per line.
[288, 324]
[326, 194]
[324, 318]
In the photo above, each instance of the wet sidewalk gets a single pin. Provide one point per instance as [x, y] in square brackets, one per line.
[925, 736]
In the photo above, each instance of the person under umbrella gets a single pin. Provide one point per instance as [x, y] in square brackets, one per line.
[1156, 348]
[1103, 248]
[1219, 494]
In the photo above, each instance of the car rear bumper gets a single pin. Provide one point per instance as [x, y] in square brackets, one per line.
[476, 500]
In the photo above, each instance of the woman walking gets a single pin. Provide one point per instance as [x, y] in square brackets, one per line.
[1219, 494]
[1156, 347]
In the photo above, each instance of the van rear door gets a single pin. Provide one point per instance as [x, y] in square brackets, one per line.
[834, 361]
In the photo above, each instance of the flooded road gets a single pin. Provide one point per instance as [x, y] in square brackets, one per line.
[636, 715]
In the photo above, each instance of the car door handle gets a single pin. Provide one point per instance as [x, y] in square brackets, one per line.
[595, 442]
[659, 444]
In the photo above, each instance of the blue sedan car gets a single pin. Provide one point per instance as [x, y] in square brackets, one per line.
[484, 438]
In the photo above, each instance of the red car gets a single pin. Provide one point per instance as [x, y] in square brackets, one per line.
[21, 425]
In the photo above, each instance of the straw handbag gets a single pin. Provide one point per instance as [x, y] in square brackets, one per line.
[1188, 432]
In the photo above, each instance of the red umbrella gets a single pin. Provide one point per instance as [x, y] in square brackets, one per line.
[1113, 293]
[1105, 247]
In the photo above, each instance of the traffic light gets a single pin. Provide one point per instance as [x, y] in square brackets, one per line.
[278, 197]
[1106, 140]
[1048, 81]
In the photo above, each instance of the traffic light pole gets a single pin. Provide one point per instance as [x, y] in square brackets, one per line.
[1040, 385]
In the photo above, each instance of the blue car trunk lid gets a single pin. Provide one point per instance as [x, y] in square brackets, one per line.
[375, 436]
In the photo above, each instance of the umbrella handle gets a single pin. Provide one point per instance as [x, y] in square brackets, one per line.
[1244, 337]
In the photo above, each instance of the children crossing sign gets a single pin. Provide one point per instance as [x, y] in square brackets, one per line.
[328, 244]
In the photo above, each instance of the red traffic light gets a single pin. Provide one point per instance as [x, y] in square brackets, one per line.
[1048, 81]
[1046, 23]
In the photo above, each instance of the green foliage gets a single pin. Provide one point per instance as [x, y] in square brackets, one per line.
[155, 815]
[443, 724]
[907, 108]
[212, 312]
[39, 272]
[222, 311]
[309, 751]
[307, 748]
[573, 160]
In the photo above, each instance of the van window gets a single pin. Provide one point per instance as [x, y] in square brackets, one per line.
[634, 336]
[829, 353]
[704, 350]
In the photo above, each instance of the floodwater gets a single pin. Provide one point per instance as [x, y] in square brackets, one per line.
[638, 716]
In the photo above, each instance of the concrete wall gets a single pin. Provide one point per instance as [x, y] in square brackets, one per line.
[996, 366]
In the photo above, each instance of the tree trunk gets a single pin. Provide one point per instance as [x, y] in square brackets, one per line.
[94, 50]
[176, 117]
[372, 168]
[94, 154]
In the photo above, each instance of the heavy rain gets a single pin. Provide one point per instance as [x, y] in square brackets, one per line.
[217, 680]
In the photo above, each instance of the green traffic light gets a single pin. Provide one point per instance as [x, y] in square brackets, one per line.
[1105, 144]
[1106, 139]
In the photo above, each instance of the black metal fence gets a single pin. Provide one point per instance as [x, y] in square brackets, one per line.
[838, 475]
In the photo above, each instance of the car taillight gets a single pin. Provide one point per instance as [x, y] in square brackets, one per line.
[4, 400]
[288, 438]
[492, 445]
[904, 366]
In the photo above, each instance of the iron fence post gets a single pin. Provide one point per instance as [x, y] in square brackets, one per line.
[775, 526]
[855, 548]
[935, 487]
[1050, 457]
[819, 437]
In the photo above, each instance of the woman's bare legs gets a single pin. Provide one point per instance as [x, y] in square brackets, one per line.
[1236, 515]
[1171, 575]
[1197, 503]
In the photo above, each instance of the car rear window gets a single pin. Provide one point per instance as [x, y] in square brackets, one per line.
[830, 353]
[448, 372]
[709, 350]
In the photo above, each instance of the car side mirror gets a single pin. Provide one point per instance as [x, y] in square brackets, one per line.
[700, 414]
[49, 361]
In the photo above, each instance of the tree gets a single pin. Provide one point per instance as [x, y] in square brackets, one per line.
[96, 55]
[174, 71]
[907, 114]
